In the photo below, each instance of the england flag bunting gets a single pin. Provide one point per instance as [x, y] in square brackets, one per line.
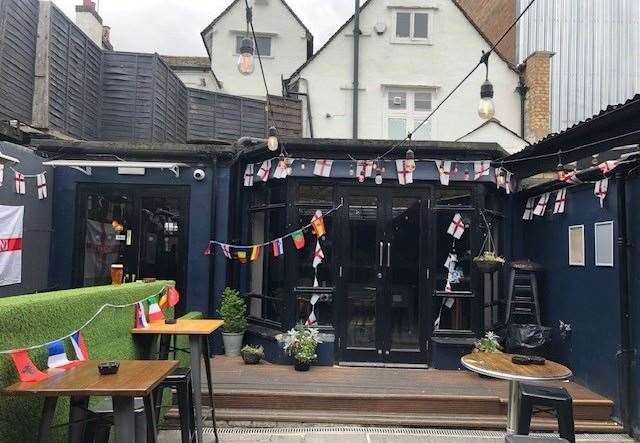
[405, 175]
[312, 320]
[41, 183]
[318, 257]
[20, 189]
[11, 221]
[248, 175]
[444, 169]
[568, 177]
[322, 168]
[541, 207]
[450, 266]
[608, 166]
[226, 250]
[561, 198]
[600, 190]
[364, 168]
[1, 173]
[281, 169]
[265, 169]
[457, 227]
[528, 209]
[481, 168]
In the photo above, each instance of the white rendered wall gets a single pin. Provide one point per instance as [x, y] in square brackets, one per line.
[288, 48]
[90, 26]
[454, 48]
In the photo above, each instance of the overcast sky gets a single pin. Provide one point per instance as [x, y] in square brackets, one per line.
[172, 27]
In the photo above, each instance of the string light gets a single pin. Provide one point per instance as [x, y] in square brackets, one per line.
[410, 161]
[486, 109]
[272, 141]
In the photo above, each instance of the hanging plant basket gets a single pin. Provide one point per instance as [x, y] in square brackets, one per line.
[488, 265]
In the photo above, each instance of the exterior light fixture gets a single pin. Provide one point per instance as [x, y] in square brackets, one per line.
[501, 176]
[378, 177]
[245, 61]
[486, 110]
[351, 170]
[410, 161]
[272, 141]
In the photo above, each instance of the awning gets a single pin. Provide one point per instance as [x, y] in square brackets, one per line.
[85, 165]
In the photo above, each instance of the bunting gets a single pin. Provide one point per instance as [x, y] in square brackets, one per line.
[278, 248]
[58, 356]
[541, 207]
[561, 198]
[79, 346]
[1, 173]
[444, 169]
[265, 169]
[41, 183]
[608, 166]
[481, 168]
[20, 188]
[600, 190]
[364, 169]
[322, 168]
[27, 371]
[317, 224]
[528, 209]
[248, 175]
[405, 173]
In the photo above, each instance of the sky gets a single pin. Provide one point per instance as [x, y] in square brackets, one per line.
[172, 27]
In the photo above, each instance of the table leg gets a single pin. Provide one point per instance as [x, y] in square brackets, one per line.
[513, 407]
[48, 411]
[207, 368]
[77, 418]
[195, 343]
[149, 412]
[124, 419]
[163, 354]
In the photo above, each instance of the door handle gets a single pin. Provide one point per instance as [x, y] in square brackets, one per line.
[388, 254]
[381, 252]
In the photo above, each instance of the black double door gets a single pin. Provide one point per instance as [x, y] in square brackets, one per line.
[384, 271]
[143, 228]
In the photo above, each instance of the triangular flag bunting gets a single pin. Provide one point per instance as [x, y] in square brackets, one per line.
[27, 371]
[58, 356]
[140, 317]
[79, 346]
[600, 190]
[561, 198]
[541, 207]
[155, 313]
[444, 169]
[405, 174]
[323, 168]
[248, 175]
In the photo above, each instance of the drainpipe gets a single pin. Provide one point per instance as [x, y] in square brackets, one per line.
[356, 61]
[522, 90]
[624, 356]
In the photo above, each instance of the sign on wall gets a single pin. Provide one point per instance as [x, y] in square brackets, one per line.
[11, 220]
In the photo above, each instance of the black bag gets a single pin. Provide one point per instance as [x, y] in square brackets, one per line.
[528, 339]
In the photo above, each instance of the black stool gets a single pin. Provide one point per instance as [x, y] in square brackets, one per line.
[527, 439]
[180, 380]
[554, 399]
[100, 421]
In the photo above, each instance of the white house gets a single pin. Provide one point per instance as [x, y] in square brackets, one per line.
[283, 40]
[412, 53]
[195, 72]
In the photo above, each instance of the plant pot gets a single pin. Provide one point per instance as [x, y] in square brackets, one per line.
[488, 266]
[302, 366]
[232, 343]
[250, 358]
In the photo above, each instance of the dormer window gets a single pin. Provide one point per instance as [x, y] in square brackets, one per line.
[264, 44]
[411, 26]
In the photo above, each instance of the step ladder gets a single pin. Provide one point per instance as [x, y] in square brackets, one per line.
[523, 304]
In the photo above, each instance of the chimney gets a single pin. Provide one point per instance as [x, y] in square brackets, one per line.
[537, 77]
[106, 38]
[90, 22]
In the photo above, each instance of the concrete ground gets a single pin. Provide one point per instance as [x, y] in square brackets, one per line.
[364, 435]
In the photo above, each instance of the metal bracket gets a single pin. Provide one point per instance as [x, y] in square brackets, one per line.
[176, 171]
[85, 170]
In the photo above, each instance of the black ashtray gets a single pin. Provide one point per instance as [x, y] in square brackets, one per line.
[521, 360]
[108, 367]
[170, 321]
[535, 360]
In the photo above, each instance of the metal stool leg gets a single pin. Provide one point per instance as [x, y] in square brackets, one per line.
[158, 394]
[207, 368]
[48, 411]
[149, 410]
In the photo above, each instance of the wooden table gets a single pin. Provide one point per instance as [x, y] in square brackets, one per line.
[135, 378]
[499, 365]
[198, 330]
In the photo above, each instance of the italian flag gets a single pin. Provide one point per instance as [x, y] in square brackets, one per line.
[155, 313]
[298, 239]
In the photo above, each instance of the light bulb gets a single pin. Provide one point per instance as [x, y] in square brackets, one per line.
[361, 178]
[378, 178]
[245, 60]
[272, 141]
[351, 171]
[410, 162]
[289, 170]
[486, 110]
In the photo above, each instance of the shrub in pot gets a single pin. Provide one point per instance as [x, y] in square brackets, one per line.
[252, 354]
[301, 343]
[233, 310]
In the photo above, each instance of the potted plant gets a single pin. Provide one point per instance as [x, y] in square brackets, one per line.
[488, 261]
[301, 343]
[233, 311]
[252, 354]
[488, 343]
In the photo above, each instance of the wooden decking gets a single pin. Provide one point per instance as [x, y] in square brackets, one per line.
[380, 396]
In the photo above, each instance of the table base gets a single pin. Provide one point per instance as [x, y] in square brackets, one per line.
[513, 407]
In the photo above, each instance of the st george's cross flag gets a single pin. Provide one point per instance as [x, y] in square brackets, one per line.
[1, 173]
[278, 247]
[457, 226]
[27, 371]
[444, 169]
[265, 169]
[569, 177]
[41, 183]
[561, 199]
[11, 219]
[405, 174]
[600, 190]
[318, 255]
[364, 168]
[528, 209]
[79, 346]
[608, 166]
[140, 317]
[155, 313]
[541, 207]
[481, 168]
[226, 250]
[322, 168]
[20, 188]
[58, 356]
[248, 175]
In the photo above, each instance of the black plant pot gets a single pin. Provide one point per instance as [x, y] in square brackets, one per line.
[488, 266]
[302, 366]
[250, 358]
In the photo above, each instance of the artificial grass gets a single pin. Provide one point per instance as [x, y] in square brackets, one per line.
[37, 318]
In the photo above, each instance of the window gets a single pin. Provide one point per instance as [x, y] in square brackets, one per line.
[412, 26]
[405, 110]
[603, 233]
[576, 245]
[264, 45]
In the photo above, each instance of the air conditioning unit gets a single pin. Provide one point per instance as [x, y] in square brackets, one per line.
[397, 100]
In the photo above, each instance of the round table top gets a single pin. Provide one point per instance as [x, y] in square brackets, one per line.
[499, 365]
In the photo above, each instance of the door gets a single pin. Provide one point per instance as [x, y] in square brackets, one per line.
[383, 265]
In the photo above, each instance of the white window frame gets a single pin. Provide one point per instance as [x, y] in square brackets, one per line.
[410, 115]
[610, 247]
[573, 260]
[411, 39]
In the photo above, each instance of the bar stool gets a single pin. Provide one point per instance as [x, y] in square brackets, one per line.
[555, 400]
[527, 439]
[100, 421]
[180, 380]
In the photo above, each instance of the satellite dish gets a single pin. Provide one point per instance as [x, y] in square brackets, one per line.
[380, 28]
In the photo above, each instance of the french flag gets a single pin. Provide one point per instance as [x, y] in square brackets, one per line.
[58, 356]
[79, 345]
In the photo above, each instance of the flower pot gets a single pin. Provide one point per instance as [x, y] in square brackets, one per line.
[488, 266]
[302, 366]
[250, 358]
[232, 343]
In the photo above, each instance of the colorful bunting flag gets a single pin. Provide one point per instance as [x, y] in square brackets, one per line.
[242, 256]
[278, 248]
[41, 183]
[79, 346]
[248, 175]
[481, 168]
[323, 168]
[317, 224]
[173, 296]
[541, 207]
[27, 371]
[405, 174]
[58, 356]
[20, 188]
[164, 301]
[561, 198]
[298, 239]
[155, 313]
[457, 226]
[255, 252]
[226, 251]
[265, 169]
[600, 190]
[444, 169]
[528, 209]
[139, 315]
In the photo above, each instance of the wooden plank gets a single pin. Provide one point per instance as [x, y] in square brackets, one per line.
[40, 116]
[182, 327]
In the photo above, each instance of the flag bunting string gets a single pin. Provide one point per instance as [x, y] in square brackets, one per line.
[27, 175]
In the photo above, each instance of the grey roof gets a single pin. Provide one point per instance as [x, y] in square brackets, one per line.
[176, 61]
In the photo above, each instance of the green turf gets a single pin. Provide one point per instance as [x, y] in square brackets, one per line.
[33, 319]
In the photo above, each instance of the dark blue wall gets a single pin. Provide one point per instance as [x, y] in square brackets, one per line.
[585, 296]
[201, 214]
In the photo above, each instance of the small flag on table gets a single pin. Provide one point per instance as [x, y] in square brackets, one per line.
[278, 248]
[140, 317]
[155, 313]
[79, 345]
[317, 224]
[298, 239]
[58, 356]
[27, 371]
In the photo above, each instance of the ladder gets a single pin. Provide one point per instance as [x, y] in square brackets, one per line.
[523, 301]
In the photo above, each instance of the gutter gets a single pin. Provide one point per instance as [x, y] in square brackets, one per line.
[356, 61]
[522, 90]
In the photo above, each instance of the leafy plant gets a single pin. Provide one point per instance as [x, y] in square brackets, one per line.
[233, 311]
[301, 343]
[488, 343]
[253, 350]
[489, 256]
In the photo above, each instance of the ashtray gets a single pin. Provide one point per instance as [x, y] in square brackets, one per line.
[170, 321]
[521, 360]
[108, 367]
[535, 360]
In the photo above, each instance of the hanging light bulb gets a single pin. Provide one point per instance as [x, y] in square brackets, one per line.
[351, 170]
[486, 110]
[410, 161]
[245, 60]
[378, 177]
[282, 162]
[303, 165]
[272, 141]
[594, 159]
[500, 176]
